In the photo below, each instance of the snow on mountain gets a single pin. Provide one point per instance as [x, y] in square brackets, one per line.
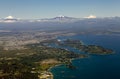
[91, 17]
[59, 18]
[9, 19]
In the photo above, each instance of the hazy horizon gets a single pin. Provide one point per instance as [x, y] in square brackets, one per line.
[38, 9]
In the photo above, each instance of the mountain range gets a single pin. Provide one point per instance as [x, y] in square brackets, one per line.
[60, 18]
[108, 25]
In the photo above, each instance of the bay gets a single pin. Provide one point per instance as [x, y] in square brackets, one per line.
[95, 66]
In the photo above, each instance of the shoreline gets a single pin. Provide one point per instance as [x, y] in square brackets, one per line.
[71, 60]
[48, 73]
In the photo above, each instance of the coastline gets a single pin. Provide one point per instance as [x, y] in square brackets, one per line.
[48, 73]
[71, 60]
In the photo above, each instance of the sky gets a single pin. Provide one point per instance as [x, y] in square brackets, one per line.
[35, 9]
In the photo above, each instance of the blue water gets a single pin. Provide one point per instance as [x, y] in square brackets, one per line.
[96, 66]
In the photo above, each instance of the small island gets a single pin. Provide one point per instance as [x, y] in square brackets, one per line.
[77, 44]
[91, 49]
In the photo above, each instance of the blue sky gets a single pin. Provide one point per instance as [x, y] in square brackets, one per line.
[34, 9]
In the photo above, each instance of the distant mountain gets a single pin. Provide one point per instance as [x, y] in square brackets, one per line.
[108, 25]
[91, 17]
[63, 18]
[9, 19]
[60, 19]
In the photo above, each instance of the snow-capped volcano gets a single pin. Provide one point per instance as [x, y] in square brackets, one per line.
[60, 18]
[91, 17]
[9, 19]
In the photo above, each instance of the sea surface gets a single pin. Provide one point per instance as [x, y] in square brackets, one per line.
[95, 66]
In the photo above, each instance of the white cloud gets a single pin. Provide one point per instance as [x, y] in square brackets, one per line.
[91, 16]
